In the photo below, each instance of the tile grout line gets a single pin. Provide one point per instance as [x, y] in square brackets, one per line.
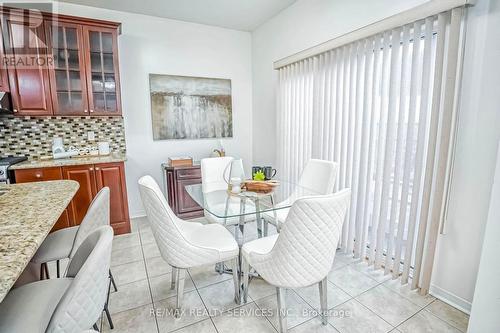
[202, 301]
[149, 283]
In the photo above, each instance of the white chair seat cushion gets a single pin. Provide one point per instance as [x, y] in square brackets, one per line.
[56, 246]
[29, 308]
[260, 246]
[213, 237]
[281, 215]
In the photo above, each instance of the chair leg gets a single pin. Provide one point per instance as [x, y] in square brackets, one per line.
[323, 300]
[181, 275]
[46, 270]
[236, 279]
[95, 327]
[58, 268]
[245, 267]
[106, 308]
[41, 271]
[112, 280]
[280, 294]
[266, 228]
[173, 277]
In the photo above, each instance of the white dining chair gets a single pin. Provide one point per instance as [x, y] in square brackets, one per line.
[63, 244]
[70, 304]
[318, 177]
[302, 254]
[185, 244]
[215, 174]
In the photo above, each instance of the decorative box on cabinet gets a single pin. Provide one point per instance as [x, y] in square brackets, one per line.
[177, 178]
[91, 177]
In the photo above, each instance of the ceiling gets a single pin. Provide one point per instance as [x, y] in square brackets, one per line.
[243, 15]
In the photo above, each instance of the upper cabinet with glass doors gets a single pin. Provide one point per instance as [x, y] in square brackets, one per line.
[82, 79]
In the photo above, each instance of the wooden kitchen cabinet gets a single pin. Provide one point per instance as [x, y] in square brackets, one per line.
[112, 175]
[103, 78]
[28, 78]
[79, 74]
[92, 178]
[179, 200]
[4, 79]
[85, 176]
[67, 74]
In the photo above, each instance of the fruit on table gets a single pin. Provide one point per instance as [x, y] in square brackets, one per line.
[259, 175]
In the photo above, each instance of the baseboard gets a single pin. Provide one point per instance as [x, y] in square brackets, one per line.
[451, 299]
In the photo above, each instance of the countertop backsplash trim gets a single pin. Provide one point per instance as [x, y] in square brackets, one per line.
[32, 136]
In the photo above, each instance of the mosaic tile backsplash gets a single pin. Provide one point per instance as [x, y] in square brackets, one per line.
[32, 136]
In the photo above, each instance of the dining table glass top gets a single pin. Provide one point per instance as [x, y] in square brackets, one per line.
[224, 204]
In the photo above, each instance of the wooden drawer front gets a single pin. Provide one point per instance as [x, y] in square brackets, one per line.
[38, 175]
[188, 173]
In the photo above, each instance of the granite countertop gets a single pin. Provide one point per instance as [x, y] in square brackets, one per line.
[30, 164]
[27, 213]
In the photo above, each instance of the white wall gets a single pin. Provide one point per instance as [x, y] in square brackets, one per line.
[486, 304]
[310, 22]
[302, 25]
[457, 257]
[162, 46]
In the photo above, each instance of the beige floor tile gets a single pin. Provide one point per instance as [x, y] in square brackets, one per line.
[192, 312]
[125, 241]
[126, 255]
[160, 286]
[204, 326]
[245, 319]
[130, 296]
[449, 314]
[352, 317]
[131, 272]
[206, 275]
[424, 322]
[297, 309]
[335, 295]
[351, 280]
[313, 326]
[337, 264]
[219, 297]
[388, 304]
[259, 288]
[151, 250]
[147, 236]
[138, 320]
[138, 223]
[157, 266]
[405, 291]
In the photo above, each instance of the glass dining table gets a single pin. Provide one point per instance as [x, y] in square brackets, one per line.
[239, 209]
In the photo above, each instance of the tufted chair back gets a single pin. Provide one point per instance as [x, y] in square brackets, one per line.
[169, 231]
[82, 304]
[97, 216]
[304, 251]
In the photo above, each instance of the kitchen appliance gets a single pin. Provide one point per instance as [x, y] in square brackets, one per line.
[58, 150]
[6, 175]
[5, 103]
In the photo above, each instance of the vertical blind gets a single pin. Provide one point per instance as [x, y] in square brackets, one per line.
[383, 109]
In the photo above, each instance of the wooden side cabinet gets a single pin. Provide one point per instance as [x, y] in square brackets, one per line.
[92, 178]
[181, 202]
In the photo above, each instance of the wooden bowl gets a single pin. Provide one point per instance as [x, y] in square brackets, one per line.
[260, 186]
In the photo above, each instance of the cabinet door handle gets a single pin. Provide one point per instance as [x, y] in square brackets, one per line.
[38, 175]
[91, 111]
[85, 111]
[91, 169]
[97, 168]
[15, 110]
